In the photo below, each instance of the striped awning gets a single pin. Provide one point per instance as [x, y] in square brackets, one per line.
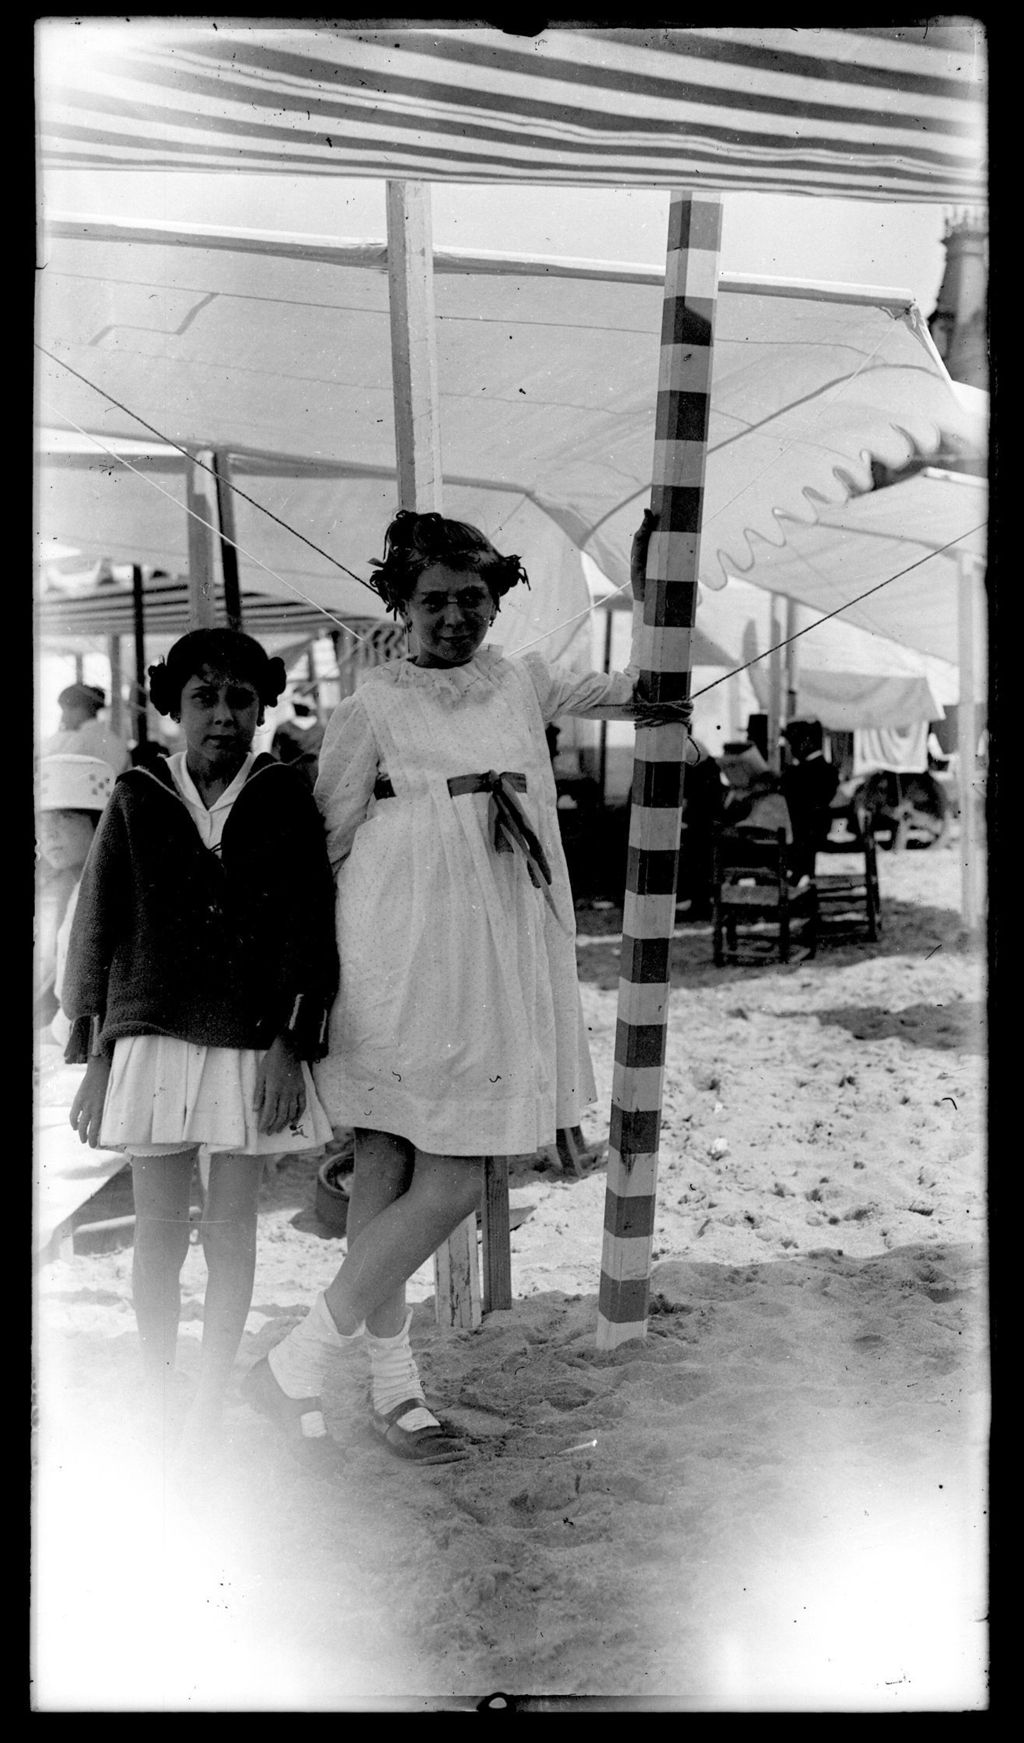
[109, 610]
[880, 113]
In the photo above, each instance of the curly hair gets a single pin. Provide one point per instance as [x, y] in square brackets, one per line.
[226, 651]
[413, 542]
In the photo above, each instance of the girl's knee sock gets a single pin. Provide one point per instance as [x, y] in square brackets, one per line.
[299, 1360]
[395, 1377]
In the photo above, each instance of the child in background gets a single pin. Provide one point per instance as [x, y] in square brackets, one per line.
[72, 791]
[200, 973]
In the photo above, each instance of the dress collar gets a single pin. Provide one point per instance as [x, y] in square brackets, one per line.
[449, 681]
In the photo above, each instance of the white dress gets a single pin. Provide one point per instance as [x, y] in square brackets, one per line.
[458, 1024]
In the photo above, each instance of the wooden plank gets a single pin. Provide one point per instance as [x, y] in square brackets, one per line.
[669, 605]
[497, 1253]
[457, 1279]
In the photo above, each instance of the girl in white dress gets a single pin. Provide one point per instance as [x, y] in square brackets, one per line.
[200, 970]
[458, 1030]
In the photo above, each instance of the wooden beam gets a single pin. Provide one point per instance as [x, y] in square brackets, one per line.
[669, 610]
[418, 464]
[226, 537]
[457, 1279]
[116, 710]
[775, 683]
[413, 346]
[200, 496]
[967, 740]
[495, 1233]
[140, 719]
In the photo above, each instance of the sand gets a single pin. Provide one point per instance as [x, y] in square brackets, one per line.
[774, 1502]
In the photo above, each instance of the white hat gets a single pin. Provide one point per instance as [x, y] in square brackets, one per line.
[70, 783]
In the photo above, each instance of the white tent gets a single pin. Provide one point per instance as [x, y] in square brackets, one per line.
[150, 336]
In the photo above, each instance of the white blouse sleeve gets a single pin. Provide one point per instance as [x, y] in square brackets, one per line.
[598, 695]
[346, 775]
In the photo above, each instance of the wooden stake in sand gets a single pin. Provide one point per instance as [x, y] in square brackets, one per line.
[669, 608]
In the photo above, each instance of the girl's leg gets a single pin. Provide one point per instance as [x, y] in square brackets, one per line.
[385, 1251]
[383, 1172]
[444, 1190]
[229, 1245]
[160, 1185]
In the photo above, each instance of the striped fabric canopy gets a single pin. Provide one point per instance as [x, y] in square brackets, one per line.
[893, 113]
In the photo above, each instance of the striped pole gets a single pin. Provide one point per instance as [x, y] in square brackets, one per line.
[669, 608]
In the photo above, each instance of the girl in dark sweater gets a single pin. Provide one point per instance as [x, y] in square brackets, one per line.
[201, 968]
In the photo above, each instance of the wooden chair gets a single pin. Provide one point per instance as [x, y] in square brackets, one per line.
[848, 900]
[753, 893]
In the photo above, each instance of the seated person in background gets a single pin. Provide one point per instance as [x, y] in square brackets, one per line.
[809, 783]
[703, 807]
[72, 793]
[81, 733]
[753, 797]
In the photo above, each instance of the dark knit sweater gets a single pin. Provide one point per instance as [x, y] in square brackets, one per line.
[226, 949]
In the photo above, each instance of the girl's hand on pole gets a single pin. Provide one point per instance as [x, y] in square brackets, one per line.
[638, 552]
[280, 1091]
[662, 713]
[86, 1114]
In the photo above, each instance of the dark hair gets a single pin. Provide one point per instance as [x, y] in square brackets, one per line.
[413, 542]
[222, 650]
[88, 696]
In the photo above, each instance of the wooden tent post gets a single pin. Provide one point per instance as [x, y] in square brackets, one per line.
[775, 683]
[140, 719]
[967, 742]
[418, 459]
[669, 609]
[116, 708]
[200, 497]
[413, 346]
[226, 538]
[796, 617]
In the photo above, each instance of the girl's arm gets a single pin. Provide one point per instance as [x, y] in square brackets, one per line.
[608, 695]
[86, 1115]
[280, 1088]
[348, 769]
[103, 907]
[307, 937]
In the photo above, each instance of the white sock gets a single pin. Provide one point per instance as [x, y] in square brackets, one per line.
[396, 1377]
[298, 1362]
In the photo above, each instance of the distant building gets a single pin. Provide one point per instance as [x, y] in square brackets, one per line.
[959, 322]
[959, 330]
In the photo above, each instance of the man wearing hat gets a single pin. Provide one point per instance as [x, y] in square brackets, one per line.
[72, 792]
[82, 733]
[753, 799]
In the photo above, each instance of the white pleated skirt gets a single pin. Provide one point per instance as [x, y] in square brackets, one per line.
[164, 1095]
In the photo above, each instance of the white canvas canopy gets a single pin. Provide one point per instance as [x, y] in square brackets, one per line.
[152, 335]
